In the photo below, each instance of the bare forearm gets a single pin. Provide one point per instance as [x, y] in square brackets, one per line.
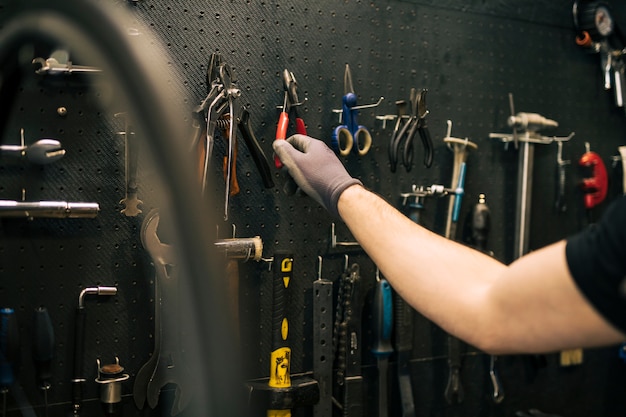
[530, 306]
[444, 280]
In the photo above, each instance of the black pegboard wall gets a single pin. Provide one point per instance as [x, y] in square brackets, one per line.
[469, 57]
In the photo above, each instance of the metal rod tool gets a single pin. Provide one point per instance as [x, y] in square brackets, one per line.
[79, 343]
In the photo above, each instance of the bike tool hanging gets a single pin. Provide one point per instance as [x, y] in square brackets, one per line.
[480, 225]
[322, 335]
[350, 135]
[222, 108]
[597, 31]
[382, 321]
[406, 126]
[347, 335]
[290, 105]
[525, 135]
[595, 185]
[454, 393]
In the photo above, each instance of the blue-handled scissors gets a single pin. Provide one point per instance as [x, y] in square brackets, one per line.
[351, 136]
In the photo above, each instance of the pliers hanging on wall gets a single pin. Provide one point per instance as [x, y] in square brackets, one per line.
[222, 108]
[290, 104]
[401, 144]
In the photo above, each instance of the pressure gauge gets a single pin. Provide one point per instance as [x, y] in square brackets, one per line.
[595, 18]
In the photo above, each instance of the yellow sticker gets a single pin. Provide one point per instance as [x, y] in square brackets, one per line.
[280, 362]
[284, 329]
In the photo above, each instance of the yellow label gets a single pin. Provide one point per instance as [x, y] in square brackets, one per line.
[286, 265]
[278, 413]
[280, 362]
[284, 329]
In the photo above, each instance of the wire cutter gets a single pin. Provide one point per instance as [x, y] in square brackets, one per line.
[222, 108]
[351, 135]
[290, 103]
[405, 129]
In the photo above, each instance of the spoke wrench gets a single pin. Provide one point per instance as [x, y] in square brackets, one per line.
[166, 366]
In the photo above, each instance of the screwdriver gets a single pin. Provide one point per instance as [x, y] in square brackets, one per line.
[9, 352]
[43, 351]
[382, 316]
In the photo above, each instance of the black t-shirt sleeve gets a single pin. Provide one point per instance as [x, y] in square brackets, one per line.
[597, 261]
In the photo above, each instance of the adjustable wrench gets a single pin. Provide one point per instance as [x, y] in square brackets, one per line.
[166, 364]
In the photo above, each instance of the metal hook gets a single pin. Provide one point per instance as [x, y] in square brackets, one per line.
[319, 268]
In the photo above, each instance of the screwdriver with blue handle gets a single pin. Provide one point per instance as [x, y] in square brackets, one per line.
[9, 352]
[382, 315]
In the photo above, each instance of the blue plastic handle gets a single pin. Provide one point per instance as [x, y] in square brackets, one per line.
[460, 190]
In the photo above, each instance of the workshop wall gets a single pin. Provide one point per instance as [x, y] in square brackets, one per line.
[469, 55]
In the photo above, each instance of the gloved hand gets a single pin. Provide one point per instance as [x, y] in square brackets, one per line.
[315, 168]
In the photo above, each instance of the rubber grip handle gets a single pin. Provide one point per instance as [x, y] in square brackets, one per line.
[258, 156]
[281, 134]
[459, 193]
[300, 126]
[9, 347]
[280, 358]
[79, 347]
[481, 223]
[43, 345]
[403, 324]
[382, 315]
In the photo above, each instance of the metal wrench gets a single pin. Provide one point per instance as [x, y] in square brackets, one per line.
[43, 151]
[168, 367]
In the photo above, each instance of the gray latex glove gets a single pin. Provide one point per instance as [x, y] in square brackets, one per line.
[315, 168]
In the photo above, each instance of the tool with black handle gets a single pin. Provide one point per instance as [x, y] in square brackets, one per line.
[382, 318]
[43, 351]
[403, 344]
[480, 226]
[280, 357]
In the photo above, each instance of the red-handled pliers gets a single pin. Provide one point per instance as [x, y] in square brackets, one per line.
[291, 103]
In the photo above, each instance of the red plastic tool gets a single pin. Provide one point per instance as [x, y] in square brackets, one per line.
[596, 186]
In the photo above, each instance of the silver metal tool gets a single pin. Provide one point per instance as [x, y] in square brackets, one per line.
[41, 152]
[131, 163]
[166, 366]
[241, 248]
[530, 124]
[79, 343]
[59, 63]
[460, 149]
[110, 378]
[48, 209]
[560, 203]
[454, 393]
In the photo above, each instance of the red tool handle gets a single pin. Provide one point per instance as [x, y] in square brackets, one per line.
[300, 126]
[281, 134]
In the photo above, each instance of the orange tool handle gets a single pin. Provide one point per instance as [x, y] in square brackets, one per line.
[281, 134]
